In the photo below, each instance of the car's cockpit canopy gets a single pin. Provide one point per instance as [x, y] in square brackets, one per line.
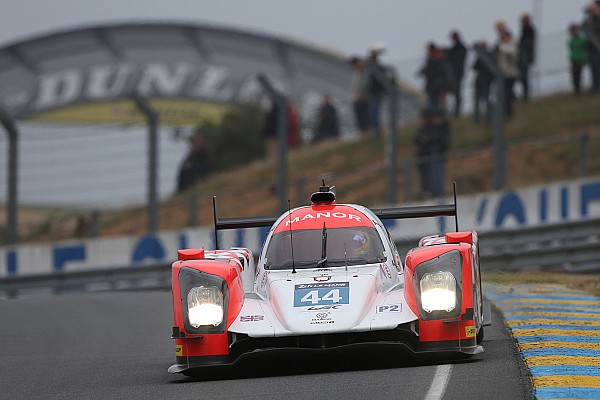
[324, 248]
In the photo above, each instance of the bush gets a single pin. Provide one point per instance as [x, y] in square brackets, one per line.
[237, 139]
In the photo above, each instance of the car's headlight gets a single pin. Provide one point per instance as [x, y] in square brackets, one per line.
[204, 301]
[205, 306]
[438, 291]
[437, 285]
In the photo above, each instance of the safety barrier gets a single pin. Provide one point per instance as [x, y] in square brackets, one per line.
[156, 276]
[571, 246]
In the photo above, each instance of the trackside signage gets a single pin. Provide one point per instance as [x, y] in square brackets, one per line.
[527, 207]
[106, 82]
[49, 77]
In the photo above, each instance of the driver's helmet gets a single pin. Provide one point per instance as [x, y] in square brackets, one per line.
[361, 243]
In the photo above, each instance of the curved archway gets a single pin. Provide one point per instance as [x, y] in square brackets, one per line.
[189, 71]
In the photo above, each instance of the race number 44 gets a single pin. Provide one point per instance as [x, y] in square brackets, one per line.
[313, 297]
[321, 294]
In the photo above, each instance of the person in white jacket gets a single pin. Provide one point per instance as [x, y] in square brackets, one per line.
[507, 57]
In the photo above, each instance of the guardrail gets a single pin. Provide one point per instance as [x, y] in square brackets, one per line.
[155, 276]
[572, 246]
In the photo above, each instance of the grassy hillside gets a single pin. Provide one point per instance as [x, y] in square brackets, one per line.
[544, 145]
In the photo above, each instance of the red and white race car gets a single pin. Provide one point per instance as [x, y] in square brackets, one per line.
[329, 276]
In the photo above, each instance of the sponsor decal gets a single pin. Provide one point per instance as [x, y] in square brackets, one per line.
[251, 318]
[322, 278]
[329, 307]
[318, 294]
[385, 271]
[389, 308]
[264, 279]
[320, 285]
[319, 215]
[470, 331]
[179, 350]
[322, 317]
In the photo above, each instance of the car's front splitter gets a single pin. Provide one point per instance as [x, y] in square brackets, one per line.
[443, 350]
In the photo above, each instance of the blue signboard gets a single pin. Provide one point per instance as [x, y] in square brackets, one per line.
[326, 293]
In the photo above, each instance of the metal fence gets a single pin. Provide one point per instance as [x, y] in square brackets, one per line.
[580, 155]
[110, 166]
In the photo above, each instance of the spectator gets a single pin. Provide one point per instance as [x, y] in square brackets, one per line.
[577, 56]
[432, 142]
[435, 73]
[456, 56]
[293, 130]
[592, 30]
[327, 126]
[375, 89]
[483, 82]
[358, 87]
[271, 126]
[439, 148]
[197, 164]
[82, 227]
[423, 141]
[526, 52]
[507, 57]
[501, 28]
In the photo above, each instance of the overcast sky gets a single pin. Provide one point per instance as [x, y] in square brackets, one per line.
[347, 26]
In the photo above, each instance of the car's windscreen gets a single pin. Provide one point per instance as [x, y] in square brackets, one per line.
[349, 245]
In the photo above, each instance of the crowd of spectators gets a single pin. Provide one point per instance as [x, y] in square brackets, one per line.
[368, 86]
[444, 69]
[497, 69]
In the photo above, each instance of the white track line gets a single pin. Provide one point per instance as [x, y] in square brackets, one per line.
[440, 382]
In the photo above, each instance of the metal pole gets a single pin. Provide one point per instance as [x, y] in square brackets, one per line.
[391, 151]
[11, 216]
[192, 209]
[388, 81]
[537, 21]
[408, 179]
[584, 155]
[499, 173]
[152, 118]
[499, 178]
[300, 186]
[281, 103]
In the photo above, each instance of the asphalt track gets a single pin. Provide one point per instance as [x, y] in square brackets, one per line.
[116, 345]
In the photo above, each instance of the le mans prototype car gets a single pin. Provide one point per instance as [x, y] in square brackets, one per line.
[328, 277]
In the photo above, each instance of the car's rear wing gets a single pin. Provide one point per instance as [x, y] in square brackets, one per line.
[443, 210]
[238, 223]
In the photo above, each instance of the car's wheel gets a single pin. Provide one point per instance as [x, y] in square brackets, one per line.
[480, 335]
